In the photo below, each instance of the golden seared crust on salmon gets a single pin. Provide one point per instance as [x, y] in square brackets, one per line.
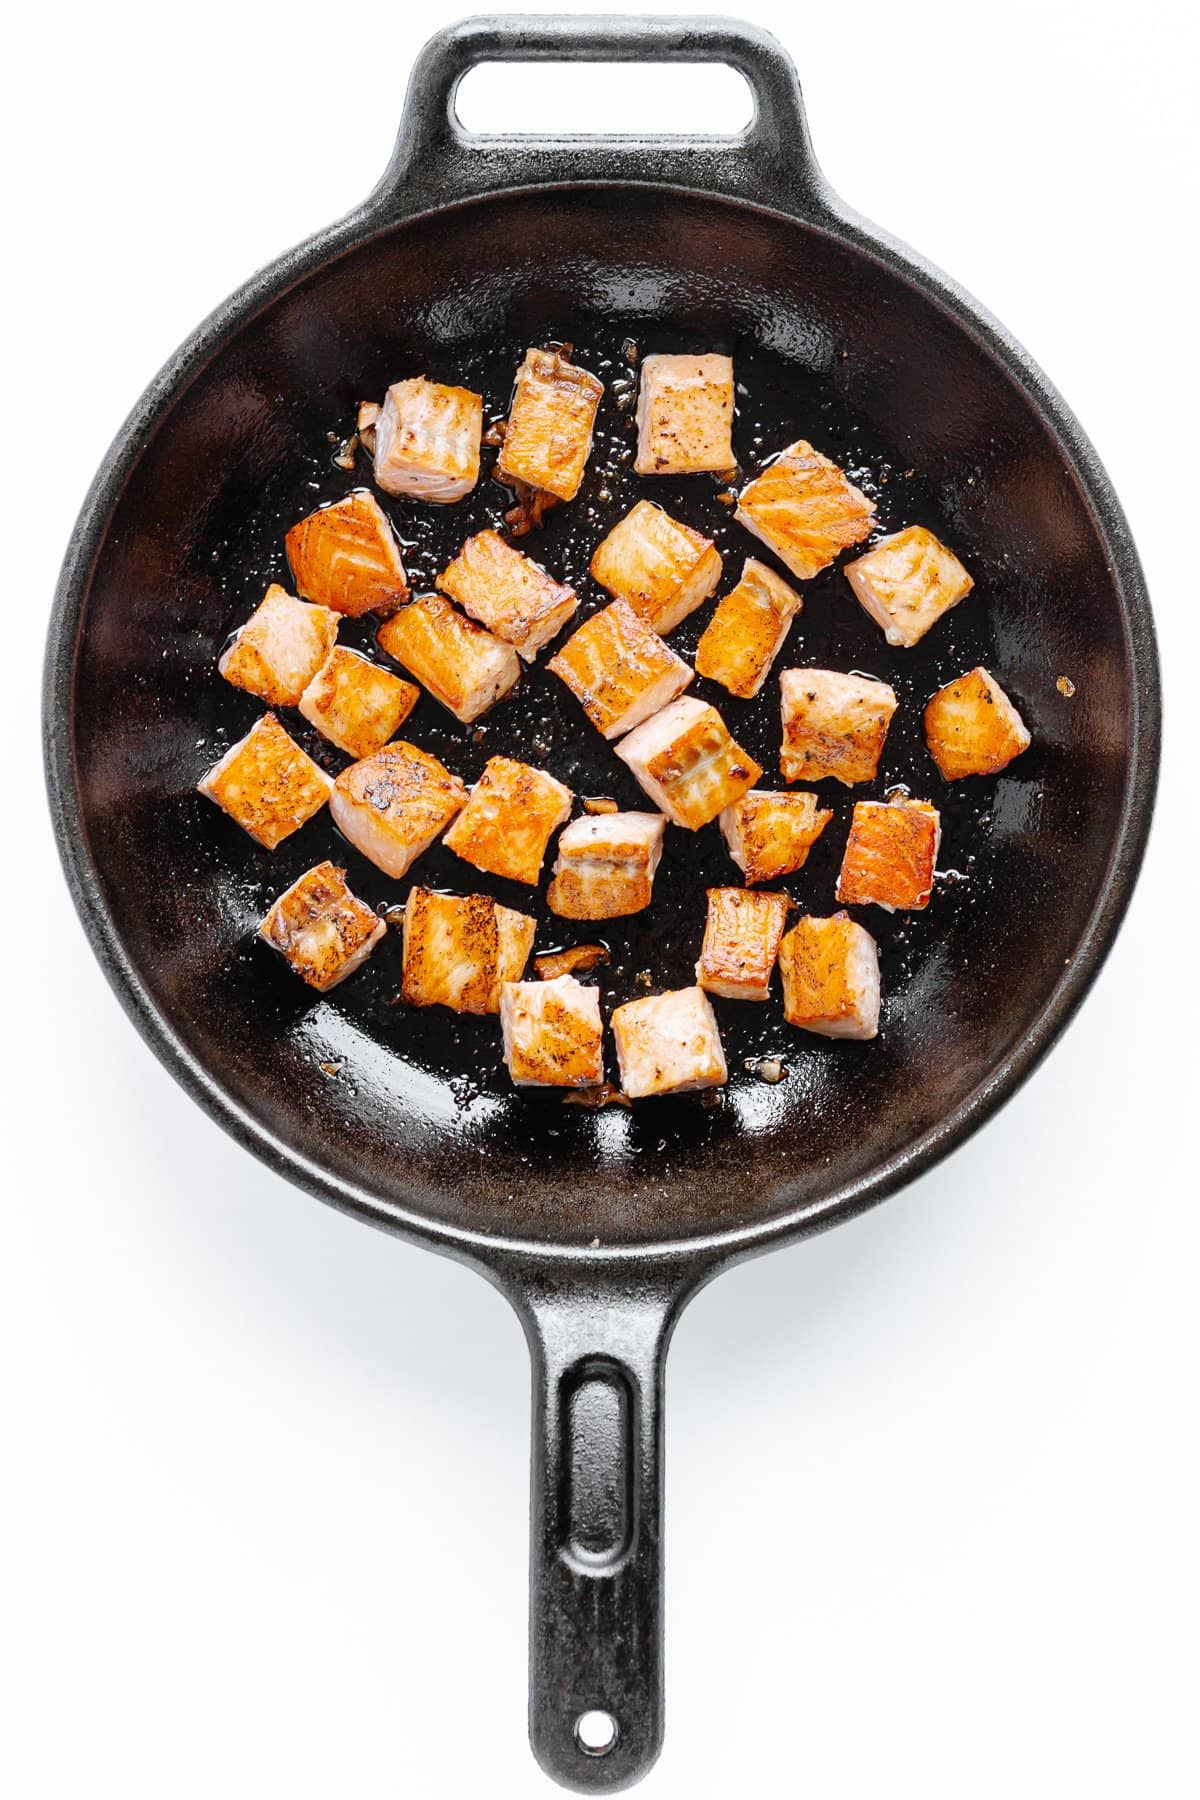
[509, 819]
[515, 932]
[323, 932]
[830, 973]
[462, 665]
[605, 865]
[451, 948]
[805, 510]
[668, 1044]
[393, 804]
[355, 704]
[427, 440]
[267, 784]
[685, 415]
[565, 962]
[770, 835]
[279, 649]
[508, 593]
[890, 855]
[741, 941]
[973, 728]
[747, 631]
[664, 569]
[459, 950]
[346, 556]
[548, 437]
[906, 582]
[688, 764]
[553, 1034]
[833, 725]
[619, 669]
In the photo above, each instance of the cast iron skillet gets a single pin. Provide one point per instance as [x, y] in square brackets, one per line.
[599, 1226]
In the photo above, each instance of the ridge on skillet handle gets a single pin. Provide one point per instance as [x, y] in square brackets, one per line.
[598, 1344]
[436, 161]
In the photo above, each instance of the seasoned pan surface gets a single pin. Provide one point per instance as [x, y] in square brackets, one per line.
[416, 1104]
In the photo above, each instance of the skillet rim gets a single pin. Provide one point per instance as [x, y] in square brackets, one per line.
[701, 1251]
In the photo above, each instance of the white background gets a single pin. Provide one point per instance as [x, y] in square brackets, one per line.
[932, 1496]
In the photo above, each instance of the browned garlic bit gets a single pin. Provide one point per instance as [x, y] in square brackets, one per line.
[596, 1097]
[575, 960]
[529, 508]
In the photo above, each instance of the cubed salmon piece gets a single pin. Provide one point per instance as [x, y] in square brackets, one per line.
[906, 582]
[509, 819]
[605, 865]
[685, 415]
[668, 1044]
[393, 804]
[741, 942]
[279, 649]
[833, 725]
[973, 728]
[462, 665]
[548, 437]
[747, 631]
[687, 762]
[619, 669]
[890, 855]
[427, 440]
[460, 950]
[355, 704]
[346, 556]
[508, 593]
[805, 510]
[770, 835]
[319, 927]
[553, 1034]
[664, 569]
[267, 784]
[830, 973]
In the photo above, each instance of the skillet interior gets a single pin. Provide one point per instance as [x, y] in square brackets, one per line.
[829, 345]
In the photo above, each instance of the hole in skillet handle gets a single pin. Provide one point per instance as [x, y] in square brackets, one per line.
[596, 1732]
[601, 99]
[442, 154]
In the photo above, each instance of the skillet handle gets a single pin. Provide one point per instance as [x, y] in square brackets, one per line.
[435, 160]
[595, 1638]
